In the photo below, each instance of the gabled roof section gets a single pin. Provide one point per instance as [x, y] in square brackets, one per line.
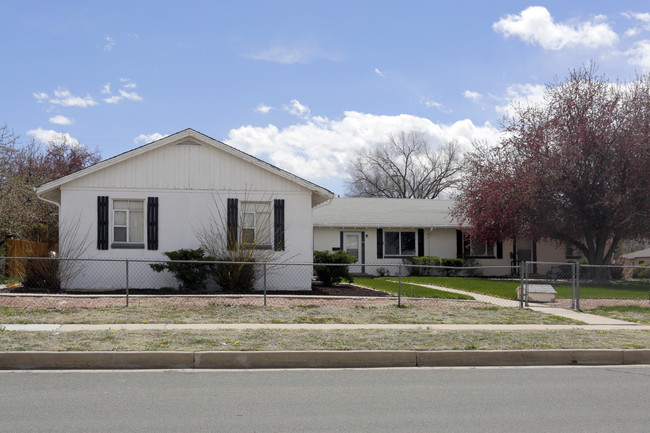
[384, 212]
[637, 254]
[51, 191]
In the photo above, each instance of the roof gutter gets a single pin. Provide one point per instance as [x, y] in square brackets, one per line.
[58, 205]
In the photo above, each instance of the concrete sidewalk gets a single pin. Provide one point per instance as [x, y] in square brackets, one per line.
[590, 319]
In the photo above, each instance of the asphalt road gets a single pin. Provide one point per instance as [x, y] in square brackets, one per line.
[549, 399]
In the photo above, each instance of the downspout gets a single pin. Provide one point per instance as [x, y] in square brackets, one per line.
[58, 205]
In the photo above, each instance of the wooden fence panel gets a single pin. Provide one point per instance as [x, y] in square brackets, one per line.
[21, 248]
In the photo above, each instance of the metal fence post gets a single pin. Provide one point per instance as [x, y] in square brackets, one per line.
[521, 284]
[577, 285]
[264, 284]
[127, 282]
[573, 286]
[526, 282]
[399, 286]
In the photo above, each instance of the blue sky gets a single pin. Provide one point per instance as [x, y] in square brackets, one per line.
[303, 85]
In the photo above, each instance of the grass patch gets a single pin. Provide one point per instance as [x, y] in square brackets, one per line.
[388, 284]
[631, 313]
[500, 288]
[267, 340]
[617, 290]
[153, 311]
[506, 288]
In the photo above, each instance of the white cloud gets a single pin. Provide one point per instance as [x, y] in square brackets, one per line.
[126, 92]
[470, 94]
[113, 99]
[297, 109]
[110, 43]
[148, 138]
[378, 72]
[641, 16]
[40, 97]
[133, 96]
[60, 120]
[644, 18]
[639, 54]
[47, 136]
[64, 98]
[520, 94]
[430, 103]
[303, 52]
[535, 25]
[321, 148]
[264, 109]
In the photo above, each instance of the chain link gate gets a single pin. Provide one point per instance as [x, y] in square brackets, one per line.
[543, 276]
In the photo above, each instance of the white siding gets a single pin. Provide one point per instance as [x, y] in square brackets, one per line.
[186, 167]
[192, 184]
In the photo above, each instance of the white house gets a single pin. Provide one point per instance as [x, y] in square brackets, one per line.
[636, 258]
[159, 197]
[382, 231]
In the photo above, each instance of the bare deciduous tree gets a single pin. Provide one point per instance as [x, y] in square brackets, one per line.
[406, 165]
[25, 166]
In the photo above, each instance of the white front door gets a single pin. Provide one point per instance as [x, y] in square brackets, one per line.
[352, 244]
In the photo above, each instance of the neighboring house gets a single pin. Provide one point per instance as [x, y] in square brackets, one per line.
[160, 196]
[636, 258]
[382, 231]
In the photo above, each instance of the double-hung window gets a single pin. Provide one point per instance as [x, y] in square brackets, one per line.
[481, 249]
[128, 222]
[256, 224]
[399, 243]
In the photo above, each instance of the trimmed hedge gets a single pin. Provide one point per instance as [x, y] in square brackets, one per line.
[331, 275]
[418, 271]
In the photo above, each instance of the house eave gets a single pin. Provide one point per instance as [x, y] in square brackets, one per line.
[319, 194]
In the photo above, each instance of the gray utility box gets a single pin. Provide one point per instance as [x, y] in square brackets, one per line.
[539, 293]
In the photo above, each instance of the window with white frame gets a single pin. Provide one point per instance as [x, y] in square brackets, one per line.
[256, 224]
[481, 249]
[399, 243]
[128, 221]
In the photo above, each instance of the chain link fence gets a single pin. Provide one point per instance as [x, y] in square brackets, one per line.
[48, 282]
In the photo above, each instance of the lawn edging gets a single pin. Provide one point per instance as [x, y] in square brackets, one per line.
[34, 360]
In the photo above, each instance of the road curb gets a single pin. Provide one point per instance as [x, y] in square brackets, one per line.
[317, 359]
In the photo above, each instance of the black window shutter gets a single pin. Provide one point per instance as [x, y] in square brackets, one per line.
[341, 241]
[232, 214]
[460, 244]
[380, 243]
[499, 250]
[420, 251]
[102, 222]
[278, 224]
[534, 251]
[152, 223]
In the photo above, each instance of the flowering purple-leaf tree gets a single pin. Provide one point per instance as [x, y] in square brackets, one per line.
[574, 168]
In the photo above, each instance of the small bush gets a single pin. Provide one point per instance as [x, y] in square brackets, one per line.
[616, 273]
[192, 276]
[43, 274]
[236, 277]
[641, 272]
[383, 272]
[417, 270]
[456, 263]
[331, 275]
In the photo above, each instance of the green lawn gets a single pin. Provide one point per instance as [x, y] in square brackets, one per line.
[409, 290]
[632, 313]
[506, 288]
